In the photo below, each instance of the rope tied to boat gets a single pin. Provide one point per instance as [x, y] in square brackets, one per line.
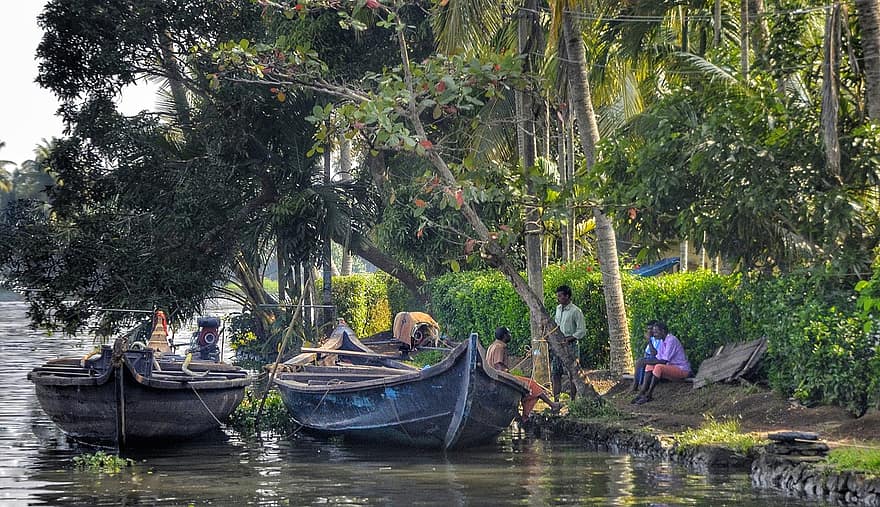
[205, 404]
[317, 406]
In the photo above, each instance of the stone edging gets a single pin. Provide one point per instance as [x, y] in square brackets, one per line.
[808, 477]
[798, 475]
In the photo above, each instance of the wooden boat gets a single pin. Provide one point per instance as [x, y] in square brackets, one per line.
[126, 397]
[343, 340]
[457, 403]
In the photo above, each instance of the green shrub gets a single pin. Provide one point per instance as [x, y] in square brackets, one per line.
[274, 419]
[818, 349]
[699, 308]
[362, 300]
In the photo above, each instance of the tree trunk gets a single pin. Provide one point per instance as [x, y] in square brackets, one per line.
[618, 330]
[256, 295]
[762, 33]
[175, 80]
[716, 24]
[326, 289]
[869, 22]
[527, 114]
[388, 265]
[830, 92]
[744, 40]
[344, 174]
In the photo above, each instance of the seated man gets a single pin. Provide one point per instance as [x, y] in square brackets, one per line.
[496, 357]
[671, 363]
[651, 348]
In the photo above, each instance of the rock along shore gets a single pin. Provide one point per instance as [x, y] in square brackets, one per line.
[791, 465]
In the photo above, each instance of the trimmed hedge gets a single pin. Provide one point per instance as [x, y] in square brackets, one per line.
[698, 307]
[369, 302]
[821, 349]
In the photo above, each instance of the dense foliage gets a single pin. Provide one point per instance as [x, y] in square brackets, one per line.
[820, 350]
[697, 306]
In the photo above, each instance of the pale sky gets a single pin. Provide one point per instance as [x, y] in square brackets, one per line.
[27, 112]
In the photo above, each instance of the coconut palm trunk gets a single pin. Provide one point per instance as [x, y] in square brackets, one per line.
[869, 22]
[588, 130]
[528, 35]
[830, 92]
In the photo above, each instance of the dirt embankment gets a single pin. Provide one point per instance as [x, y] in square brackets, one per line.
[677, 405]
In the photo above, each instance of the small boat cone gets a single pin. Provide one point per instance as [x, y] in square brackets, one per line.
[159, 336]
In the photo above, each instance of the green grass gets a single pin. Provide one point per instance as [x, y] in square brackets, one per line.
[857, 459]
[582, 408]
[101, 462]
[725, 433]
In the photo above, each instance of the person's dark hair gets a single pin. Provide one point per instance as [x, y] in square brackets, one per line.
[662, 325]
[565, 289]
[501, 332]
[651, 323]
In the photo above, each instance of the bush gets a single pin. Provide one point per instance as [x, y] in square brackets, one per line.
[362, 300]
[274, 419]
[699, 308]
[818, 347]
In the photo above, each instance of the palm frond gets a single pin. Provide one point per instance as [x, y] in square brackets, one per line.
[708, 69]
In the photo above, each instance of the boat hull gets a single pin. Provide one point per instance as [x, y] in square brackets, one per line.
[456, 404]
[125, 407]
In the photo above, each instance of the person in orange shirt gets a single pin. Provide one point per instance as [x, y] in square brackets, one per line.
[496, 357]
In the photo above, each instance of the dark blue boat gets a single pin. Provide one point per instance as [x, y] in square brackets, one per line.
[457, 403]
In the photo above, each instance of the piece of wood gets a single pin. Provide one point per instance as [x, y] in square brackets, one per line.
[311, 350]
[728, 363]
[753, 361]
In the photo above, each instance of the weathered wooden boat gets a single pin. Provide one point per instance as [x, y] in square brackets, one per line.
[127, 397]
[343, 346]
[457, 403]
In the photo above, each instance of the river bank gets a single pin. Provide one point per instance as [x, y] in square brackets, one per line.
[648, 430]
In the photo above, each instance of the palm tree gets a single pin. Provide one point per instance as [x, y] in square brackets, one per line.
[588, 131]
[869, 22]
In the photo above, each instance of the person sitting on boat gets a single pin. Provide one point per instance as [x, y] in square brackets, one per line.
[671, 363]
[496, 357]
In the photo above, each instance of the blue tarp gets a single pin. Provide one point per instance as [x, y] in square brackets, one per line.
[657, 267]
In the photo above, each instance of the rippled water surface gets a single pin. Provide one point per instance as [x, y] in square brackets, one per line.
[35, 463]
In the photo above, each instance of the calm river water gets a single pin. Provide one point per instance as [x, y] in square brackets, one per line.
[35, 463]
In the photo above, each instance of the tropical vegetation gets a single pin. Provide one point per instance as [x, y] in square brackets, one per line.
[448, 136]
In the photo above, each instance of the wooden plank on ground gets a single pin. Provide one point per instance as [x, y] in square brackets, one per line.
[753, 361]
[727, 364]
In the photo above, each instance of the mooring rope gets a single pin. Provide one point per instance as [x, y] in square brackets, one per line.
[205, 405]
[330, 384]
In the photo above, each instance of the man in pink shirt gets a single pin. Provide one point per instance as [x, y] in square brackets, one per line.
[671, 363]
